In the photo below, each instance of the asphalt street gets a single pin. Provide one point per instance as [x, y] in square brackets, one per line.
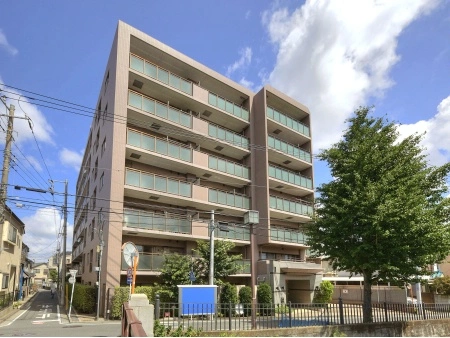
[41, 317]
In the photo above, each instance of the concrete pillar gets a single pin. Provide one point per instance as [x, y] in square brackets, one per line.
[144, 311]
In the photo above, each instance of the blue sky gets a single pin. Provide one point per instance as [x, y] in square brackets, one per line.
[331, 56]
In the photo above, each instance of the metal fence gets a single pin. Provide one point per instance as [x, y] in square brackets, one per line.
[229, 317]
[6, 300]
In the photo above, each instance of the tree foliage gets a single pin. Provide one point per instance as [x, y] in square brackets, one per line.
[224, 261]
[384, 214]
[176, 268]
[441, 285]
[53, 275]
[324, 294]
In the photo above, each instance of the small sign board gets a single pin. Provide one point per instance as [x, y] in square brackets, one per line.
[72, 280]
[129, 275]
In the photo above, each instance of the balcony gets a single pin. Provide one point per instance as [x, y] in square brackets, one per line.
[228, 136]
[147, 148]
[160, 74]
[228, 106]
[231, 199]
[162, 110]
[288, 149]
[289, 209]
[159, 183]
[159, 145]
[145, 220]
[235, 232]
[280, 234]
[290, 177]
[154, 262]
[288, 122]
[159, 115]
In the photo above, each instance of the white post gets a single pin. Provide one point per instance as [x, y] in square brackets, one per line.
[71, 299]
[211, 247]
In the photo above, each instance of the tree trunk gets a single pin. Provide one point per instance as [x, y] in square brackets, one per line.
[367, 301]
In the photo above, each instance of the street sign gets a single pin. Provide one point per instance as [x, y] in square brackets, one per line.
[192, 276]
[129, 275]
[73, 272]
[72, 280]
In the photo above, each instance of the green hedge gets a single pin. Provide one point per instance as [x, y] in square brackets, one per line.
[84, 297]
[121, 295]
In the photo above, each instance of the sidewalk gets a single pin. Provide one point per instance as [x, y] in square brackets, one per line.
[10, 311]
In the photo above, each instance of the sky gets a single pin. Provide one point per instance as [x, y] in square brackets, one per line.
[332, 56]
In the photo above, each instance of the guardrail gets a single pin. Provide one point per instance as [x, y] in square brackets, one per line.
[131, 325]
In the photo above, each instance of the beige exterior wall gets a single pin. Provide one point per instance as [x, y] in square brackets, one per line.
[11, 256]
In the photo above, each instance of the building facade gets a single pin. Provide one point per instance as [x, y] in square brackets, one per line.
[11, 255]
[172, 141]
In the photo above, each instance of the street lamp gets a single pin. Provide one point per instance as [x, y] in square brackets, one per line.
[251, 218]
[213, 226]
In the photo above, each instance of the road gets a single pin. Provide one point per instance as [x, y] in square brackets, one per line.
[41, 317]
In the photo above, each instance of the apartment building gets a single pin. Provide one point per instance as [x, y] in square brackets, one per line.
[11, 252]
[171, 142]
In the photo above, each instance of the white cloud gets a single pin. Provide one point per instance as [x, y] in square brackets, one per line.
[33, 162]
[333, 55]
[42, 129]
[5, 44]
[71, 158]
[42, 233]
[436, 139]
[244, 61]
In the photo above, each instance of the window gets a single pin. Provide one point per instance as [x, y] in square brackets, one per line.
[94, 199]
[93, 229]
[37, 271]
[105, 113]
[90, 260]
[99, 109]
[45, 271]
[12, 234]
[103, 145]
[102, 180]
[106, 81]
[97, 139]
[95, 168]
[5, 281]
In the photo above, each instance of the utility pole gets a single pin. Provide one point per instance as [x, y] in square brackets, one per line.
[211, 249]
[100, 250]
[5, 171]
[64, 266]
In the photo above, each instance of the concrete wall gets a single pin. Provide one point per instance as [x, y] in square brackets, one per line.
[428, 328]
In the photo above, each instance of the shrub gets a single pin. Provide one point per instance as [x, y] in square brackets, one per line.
[228, 295]
[245, 298]
[324, 294]
[159, 330]
[84, 297]
[264, 297]
[441, 285]
[147, 290]
[121, 294]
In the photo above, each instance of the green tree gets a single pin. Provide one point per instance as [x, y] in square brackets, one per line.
[53, 275]
[228, 295]
[245, 298]
[441, 285]
[224, 261]
[383, 215]
[324, 294]
[175, 271]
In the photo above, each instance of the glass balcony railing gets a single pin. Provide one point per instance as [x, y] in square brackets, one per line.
[289, 177]
[160, 146]
[227, 136]
[287, 235]
[289, 149]
[287, 121]
[243, 266]
[149, 181]
[228, 198]
[147, 262]
[160, 74]
[290, 206]
[228, 167]
[150, 221]
[159, 109]
[234, 232]
[228, 106]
